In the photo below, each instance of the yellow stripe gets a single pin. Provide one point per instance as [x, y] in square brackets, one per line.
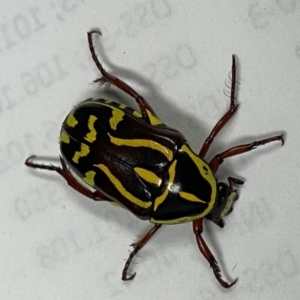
[71, 121]
[148, 176]
[143, 143]
[207, 174]
[137, 114]
[117, 114]
[117, 117]
[64, 137]
[91, 136]
[89, 178]
[190, 197]
[153, 119]
[159, 200]
[84, 151]
[118, 185]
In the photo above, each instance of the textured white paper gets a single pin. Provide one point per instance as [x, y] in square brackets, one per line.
[57, 244]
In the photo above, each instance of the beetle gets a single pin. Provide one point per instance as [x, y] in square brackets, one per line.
[130, 158]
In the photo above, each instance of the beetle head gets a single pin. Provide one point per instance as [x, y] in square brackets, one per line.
[224, 202]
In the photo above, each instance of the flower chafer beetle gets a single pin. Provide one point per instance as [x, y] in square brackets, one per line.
[132, 159]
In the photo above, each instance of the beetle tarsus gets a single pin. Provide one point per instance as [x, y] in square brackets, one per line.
[31, 164]
[65, 173]
[223, 121]
[198, 229]
[217, 272]
[219, 158]
[137, 247]
[127, 264]
[142, 103]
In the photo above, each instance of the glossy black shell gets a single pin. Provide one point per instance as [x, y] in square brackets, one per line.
[122, 159]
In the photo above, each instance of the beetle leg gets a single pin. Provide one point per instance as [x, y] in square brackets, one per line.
[137, 247]
[110, 79]
[65, 173]
[223, 121]
[219, 158]
[198, 229]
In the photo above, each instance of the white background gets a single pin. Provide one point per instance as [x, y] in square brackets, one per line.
[57, 244]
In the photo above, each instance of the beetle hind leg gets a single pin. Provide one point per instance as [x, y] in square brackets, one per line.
[65, 173]
[110, 79]
[137, 247]
[198, 229]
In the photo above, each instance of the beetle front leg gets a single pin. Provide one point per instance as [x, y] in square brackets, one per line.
[223, 121]
[198, 229]
[110, 79]
[65, 173]
[137, 247]
[219, 158]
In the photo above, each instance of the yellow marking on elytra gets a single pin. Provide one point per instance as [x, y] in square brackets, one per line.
[159, 200]
[89, 178]
[207, 174]
[91, 136]
[137, 114]
[64, 137]
[143, 143]
[122, 106]
[190, 197]
[71, 120]
[148, 176]
[117, 114]
[153, 119]
[117, 117]
[118, 185]
[84, 151]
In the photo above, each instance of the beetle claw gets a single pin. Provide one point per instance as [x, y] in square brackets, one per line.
[216, 269]
[282, 140]
[125, 278]
[228, 285]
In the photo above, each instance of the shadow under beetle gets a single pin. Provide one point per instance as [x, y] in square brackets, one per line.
[132, 159]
